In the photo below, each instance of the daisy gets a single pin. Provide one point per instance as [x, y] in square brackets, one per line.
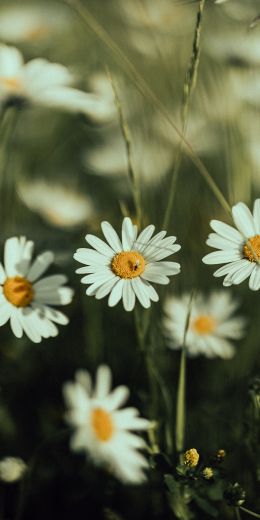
[24, 299]
[61, 206]
[211, 324]
[124, 268]
[238, 248]
[102, 429]
[42, 83]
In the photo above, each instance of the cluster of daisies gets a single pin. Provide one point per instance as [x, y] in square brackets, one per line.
[125, 269]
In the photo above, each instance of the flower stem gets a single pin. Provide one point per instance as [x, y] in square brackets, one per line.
[237, 513]
[181, 392]
[249, 512]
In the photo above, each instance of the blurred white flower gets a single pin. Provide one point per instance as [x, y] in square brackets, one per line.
[47, 84]
[59, 205]
[238, 248]
[102, 429]
[26, 300]
[211, 324]
[152, 157]
[123, 269]
[12, 469]
[32, 23]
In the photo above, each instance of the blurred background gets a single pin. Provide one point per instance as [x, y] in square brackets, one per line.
[66, 173]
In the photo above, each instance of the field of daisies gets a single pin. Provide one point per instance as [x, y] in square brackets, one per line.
[130, 259]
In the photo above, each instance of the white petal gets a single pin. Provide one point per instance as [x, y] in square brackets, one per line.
[2, 274]
[221, 257]
[5, 313]
[89, 256]
[254, 282]
[117, 397]
[240, 275]
[15, 323]
[51, 314]
[243, 219]
[144, 238]
[29, 323]
[226, 231]
[116, 293]
[106, 288]
[219, 242]
[12, 256]
[103, 382]
[111, 237]
[152, 276]
[50, 282]
[100, 246]
[39, 266]
[129, 232]
[230, 268]
[141, 292]
[128, 296]
[256, 214]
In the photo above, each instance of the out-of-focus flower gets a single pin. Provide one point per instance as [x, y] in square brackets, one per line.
[211, 324]
[32, 23]
[26, 300]
[102, 429]
[208, 473]
[152, 157]
[12, 469]
[238, 248]
[124, 268]
[191, 457]
[42, 83]
[59, 205]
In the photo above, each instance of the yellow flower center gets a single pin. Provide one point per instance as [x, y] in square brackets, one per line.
[11, 84]
[208, 473]
[18, 291]
[37, 33]
[128, 264]
[203, 324]
[102, 424]
[251, 249]
[191, 458]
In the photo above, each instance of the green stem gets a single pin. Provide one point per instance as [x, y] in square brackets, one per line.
[181, 391]
[237, 513]
[249, 512]
[7, 130]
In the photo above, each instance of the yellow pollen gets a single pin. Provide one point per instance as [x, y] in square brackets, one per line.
[203, 324]
[18, 291]
[102, 424]
[128, 264]
[191, 458]
[12, 84]
[252, 251]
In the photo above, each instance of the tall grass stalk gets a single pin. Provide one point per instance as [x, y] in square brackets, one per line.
[146, 91]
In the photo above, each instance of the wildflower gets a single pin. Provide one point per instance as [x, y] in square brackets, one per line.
[238, 248]
[211, 324]
[31, 23]
[60, 206]
[221, 454]
[12, 469]
[208, 473]
[191, 458]
[235, 495]
[123, 269]
[26, 300]
[42, 83]
[103, 430]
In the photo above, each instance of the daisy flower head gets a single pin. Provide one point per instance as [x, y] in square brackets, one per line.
[102, 429]
[42, 83]
[238, 248]
[124, 268]
[26, 300]
[211, 325]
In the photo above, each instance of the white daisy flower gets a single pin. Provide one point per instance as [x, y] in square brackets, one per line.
[46, 84]
[32, 23]
[26, 300]
[211, 325]
[102, 429]
[238, 248]
[61, 206]
[12, 469]
[124, 268]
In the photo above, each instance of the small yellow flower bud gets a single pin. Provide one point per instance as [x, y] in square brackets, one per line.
[208, 473]
[221, 454]
[191, 458]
